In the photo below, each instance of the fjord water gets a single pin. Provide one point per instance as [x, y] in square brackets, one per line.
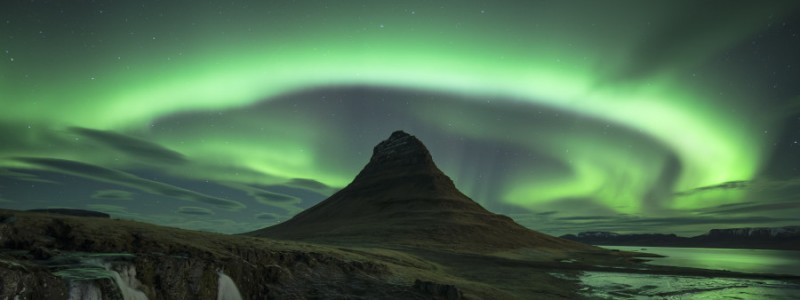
[607, 285]
[739, 260]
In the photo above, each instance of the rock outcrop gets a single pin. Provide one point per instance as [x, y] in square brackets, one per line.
[439, 291]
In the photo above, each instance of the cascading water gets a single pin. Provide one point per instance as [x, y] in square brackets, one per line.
[84, 290]
[227, 288]
[126, 280]
[86, 273]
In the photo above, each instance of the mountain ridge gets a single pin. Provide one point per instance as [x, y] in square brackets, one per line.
[782, 238]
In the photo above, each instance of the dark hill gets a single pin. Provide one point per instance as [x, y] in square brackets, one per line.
[72, 212]
[784, 238]
[402, 198]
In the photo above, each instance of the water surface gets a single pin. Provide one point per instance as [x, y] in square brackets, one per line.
[610, 285]
[739, 260]
[605, 285]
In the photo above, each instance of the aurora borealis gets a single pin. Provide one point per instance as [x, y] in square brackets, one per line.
[628, 116]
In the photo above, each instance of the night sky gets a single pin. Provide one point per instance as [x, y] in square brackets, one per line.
[629, 116]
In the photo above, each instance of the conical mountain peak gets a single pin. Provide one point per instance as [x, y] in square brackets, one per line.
[400, 155]
[401, 148]
[398, 141]
[401, 197]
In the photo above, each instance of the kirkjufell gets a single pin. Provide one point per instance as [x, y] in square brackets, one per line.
[401, 197]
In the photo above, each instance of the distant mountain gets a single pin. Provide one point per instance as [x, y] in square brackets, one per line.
[402, 198]
[611, 238]
[787, 238]
[72, 212]
[756, 233]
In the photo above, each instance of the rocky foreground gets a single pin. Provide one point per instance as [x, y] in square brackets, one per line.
[179, 264]
[47, 256]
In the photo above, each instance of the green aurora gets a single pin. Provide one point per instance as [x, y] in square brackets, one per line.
[565, 115]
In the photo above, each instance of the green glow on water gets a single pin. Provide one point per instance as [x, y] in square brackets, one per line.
[739, 260]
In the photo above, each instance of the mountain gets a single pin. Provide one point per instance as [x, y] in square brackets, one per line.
[756, 233]
[72, 212]
[786, 238]
[402, 198]
[616, 239]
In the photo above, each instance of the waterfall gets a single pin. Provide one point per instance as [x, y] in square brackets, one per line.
[227, 288]
[125, 278]
[87, 272]
[84, 290]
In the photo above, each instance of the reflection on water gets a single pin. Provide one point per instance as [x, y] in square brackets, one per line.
[603, 285]
[740, 260]
[606, 285]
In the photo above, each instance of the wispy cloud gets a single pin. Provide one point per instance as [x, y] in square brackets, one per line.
[129, 180]
[749, 208]
[267, 216]
[286, 202]
[730, 185]
[194, 210]
[140, 149]
[112, 195]
[312, 185]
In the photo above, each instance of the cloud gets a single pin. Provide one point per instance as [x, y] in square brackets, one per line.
[283, 201]
[270, 197]
[676, 221]
[140, 149]
[182, 221]
[194, 210]
[106, 208]
[112, 195]
[313, 185]
[546, 213]
[129, 180]
[730, 185]
[267, 216]
[776, 185]
[23, 176]
[753, 208]
[587, 218]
